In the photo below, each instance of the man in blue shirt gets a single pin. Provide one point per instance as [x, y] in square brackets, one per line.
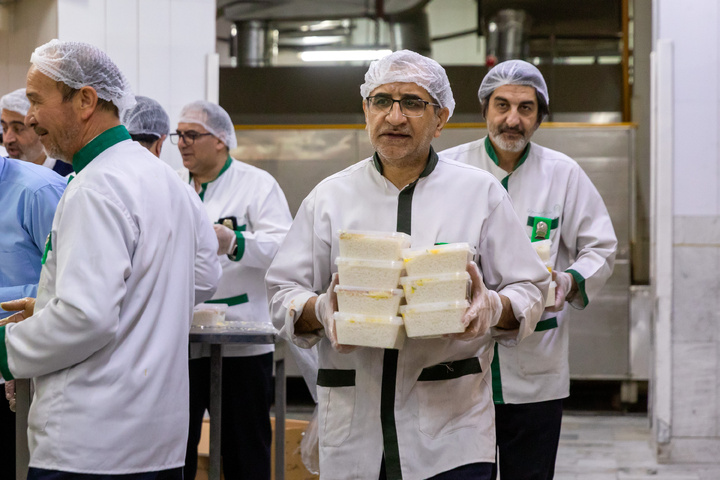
[29, 195]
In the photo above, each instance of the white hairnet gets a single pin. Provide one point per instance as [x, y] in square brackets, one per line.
[513, 72]
[410, 67]
[80, 64]
[147, 117]
[15, 101]
[213, 117]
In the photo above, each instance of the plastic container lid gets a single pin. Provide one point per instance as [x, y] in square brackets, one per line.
[380, 319]
[379, 292]
[402, 238]
[357, 262]
[441, 277]
[409, 253]
[433, 307]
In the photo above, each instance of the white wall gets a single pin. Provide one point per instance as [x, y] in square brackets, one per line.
[160, 45]
[686, 232]
[23, 26]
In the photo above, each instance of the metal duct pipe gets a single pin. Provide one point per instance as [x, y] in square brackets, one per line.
[507, 35]
[254, 43]
[410, 31]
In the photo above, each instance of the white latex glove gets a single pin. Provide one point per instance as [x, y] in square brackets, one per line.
[10, 394]
[226, 239]
[563, 286]
[484, 310]
[325, 307]
[24, 306]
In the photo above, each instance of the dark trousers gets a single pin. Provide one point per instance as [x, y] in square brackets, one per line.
[42, 474]
[471, 471]
[245, 427]
[7, 436]
[527, 439]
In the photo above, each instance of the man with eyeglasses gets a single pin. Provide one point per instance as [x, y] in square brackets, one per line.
[251, 218]
[147, 123]
[558, 203]
[21, 141]
[424, 411]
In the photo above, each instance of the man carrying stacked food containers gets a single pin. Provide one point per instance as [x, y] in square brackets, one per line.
[425, 410]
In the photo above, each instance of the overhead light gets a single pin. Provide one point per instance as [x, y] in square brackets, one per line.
[343, 55]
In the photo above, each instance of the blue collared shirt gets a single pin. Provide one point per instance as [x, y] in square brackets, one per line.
[29, 195]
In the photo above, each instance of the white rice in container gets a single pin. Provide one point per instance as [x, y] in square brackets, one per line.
[445, 287]
[377, 274]
[448, 258]
[364, 244]
[368, 301]
[369, 330]
[432, 319]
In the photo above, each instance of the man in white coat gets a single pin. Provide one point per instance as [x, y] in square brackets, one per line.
[556, 202]
[147, 123]
[424, 411]
[129, 253]
[251, 218]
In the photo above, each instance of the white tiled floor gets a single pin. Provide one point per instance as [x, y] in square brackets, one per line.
[616, 447]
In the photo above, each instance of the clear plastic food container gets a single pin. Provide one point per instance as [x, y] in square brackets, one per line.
[445, 287]
[433, 319]
[369, 273]
[209, 315]
[372, 245]
[369, 330]
[452, 257]
[368, 301]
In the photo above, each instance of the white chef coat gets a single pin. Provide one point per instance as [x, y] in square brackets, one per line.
[428, 407]
[257, 202]
[551, 187]
[129, 253]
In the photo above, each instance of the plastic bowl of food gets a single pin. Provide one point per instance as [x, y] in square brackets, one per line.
[444, 287]
[368, 301]
[448, 258]
[380, 331]
[209, 315]
[433, 319]
[372, 245]
[369, 273]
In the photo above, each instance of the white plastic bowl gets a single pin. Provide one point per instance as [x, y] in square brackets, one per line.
[368, 301]
[369, 330]
[445, 287]
[372, 245]
[369, 273]
[433, 319]
[207, 315]
[449, 258]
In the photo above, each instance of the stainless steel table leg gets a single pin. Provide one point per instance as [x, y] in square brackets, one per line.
[22, 455]
[215, 410]
[280, 402]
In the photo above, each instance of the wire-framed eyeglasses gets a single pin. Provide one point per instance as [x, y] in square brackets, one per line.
[409, 106]
[189, 137]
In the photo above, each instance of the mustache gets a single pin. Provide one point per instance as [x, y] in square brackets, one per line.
[519, 131]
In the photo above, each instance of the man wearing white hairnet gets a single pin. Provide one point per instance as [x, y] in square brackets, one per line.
[21, 141]
[251, 218]
[559, 206]
[424, 411]
[147, 123]
[129, 253]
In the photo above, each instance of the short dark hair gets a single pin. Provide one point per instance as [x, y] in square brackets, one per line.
[68, 93]
[145, 139]
[543, 108]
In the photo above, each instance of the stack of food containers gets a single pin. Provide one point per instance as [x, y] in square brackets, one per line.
[436, 289]
[369, 268]
[543, 250]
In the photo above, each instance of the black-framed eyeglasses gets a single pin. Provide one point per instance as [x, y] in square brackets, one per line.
[189, 137]
[409, 107]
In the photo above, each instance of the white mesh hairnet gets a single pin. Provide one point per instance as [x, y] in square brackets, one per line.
[80, 64]
[213, 117]
[15, 101]
[513, 72]
[410, 67]
[147, 117]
